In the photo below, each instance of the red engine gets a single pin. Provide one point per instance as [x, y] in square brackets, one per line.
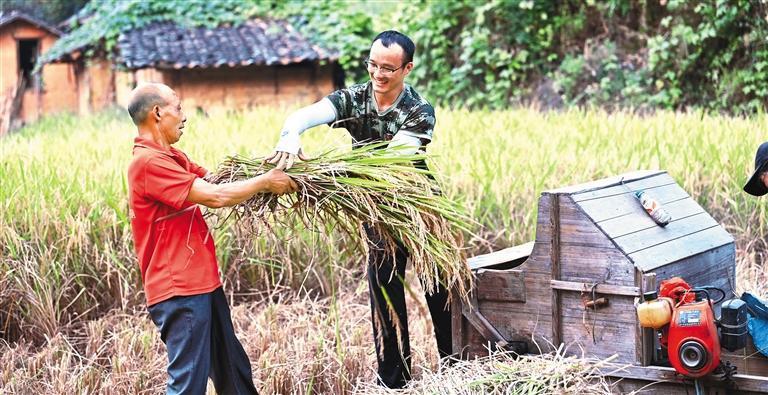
[693, 342]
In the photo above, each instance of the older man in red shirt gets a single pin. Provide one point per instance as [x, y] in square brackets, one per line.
[176, 251]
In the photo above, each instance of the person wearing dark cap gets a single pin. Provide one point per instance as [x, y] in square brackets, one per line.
[758, 183]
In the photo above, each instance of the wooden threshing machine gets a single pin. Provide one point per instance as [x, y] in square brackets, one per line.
[596, 252]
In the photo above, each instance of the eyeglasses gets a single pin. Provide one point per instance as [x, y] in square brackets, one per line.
[386, 71]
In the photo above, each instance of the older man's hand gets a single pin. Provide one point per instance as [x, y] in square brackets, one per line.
[280, 183]
[285, 160]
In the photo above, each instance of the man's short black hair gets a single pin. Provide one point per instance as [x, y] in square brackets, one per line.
[142, 103]
[393, 36]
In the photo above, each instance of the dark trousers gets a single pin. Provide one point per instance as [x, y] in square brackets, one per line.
[387, 292]
[198, 334]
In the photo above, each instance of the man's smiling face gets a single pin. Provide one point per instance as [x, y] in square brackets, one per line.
[391, 58]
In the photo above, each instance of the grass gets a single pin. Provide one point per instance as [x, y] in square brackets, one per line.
[66, 255]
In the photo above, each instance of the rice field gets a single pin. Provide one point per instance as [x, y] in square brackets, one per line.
[71, 313]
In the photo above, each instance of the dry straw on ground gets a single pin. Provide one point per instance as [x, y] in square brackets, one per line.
[502, 373]
[371, 186]
[297, 345]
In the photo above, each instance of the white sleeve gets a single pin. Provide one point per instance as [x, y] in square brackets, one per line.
[423, 136]
[301, 120]
[407, 143]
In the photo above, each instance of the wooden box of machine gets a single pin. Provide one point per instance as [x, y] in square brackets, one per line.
[577, 284]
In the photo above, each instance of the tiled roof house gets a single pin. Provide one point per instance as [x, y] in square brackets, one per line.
[259, 62]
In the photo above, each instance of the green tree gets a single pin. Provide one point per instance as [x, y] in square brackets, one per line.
[51, 11]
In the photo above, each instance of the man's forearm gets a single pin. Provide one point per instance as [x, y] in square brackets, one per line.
[236, 192]
[225, 195]
[301, 120]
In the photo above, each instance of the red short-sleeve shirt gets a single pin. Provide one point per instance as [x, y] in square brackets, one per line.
[175, 249]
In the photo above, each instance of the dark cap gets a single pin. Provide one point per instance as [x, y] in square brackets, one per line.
[755, 185]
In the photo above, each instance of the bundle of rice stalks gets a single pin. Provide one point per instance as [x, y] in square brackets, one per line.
[370, 186]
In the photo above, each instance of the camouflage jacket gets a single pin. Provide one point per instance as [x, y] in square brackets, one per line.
[356, 111]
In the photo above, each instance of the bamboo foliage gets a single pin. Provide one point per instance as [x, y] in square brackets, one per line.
[370, 186]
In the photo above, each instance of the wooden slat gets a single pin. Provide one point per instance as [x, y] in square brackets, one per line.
[471, 312]
[515, 321]
[603, 289]
[716, 267]
[555, 262]
[586, 252]
[611, 339]
[539, 261]
[657, 235]
[651, 374]
[508, 255]
[523, 321]
[457, 326]
[523, 315]
[747, 360]
[647, 335]
[472, 344]
[543, 224]
[654, 257]
[521, 325]
[576, 228]
[622, 385]
[600, 333]
[618, 205]
[606, 182]
[630, 223]
[583, 233]
[595, 264]
[628, 187]
[501, 285]
[620, 309]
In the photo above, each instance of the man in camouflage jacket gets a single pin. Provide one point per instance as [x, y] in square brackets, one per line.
[382, 109]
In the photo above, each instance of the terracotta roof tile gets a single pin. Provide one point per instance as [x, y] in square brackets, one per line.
[255, 42]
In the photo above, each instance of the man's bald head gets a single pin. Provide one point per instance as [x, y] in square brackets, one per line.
[144, 97]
